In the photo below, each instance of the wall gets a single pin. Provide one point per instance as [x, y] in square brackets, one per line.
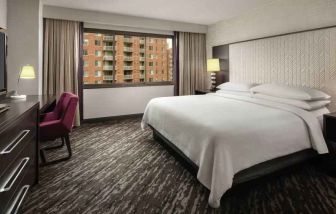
[128, 100]
[3, 13]
[121, 101]
[120, 20]
[24, 42]
[277, 17]
[302, 59]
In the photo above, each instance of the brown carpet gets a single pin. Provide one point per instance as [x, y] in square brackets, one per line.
[118, 168]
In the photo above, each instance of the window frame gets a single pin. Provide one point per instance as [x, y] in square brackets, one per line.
[128, 33]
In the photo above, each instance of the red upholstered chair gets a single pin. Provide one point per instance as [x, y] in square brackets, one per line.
[58, 124]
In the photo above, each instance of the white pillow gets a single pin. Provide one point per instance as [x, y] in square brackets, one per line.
[236, 86]
[238, 93]
[307, 105]
[290, 92]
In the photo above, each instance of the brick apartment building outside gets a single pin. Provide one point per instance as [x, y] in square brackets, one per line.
[135, 59]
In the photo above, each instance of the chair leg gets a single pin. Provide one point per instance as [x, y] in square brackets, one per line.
[44, 162]
[67, 142]
[43, 158]
[55, 147]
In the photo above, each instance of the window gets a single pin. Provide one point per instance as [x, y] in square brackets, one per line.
[123, 59]
[98, 53]
[98, 73]
[86, 42]
[98, 63]
[86, 74]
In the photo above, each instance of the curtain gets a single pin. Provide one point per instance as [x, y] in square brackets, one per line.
[192, 62]
[61, 58]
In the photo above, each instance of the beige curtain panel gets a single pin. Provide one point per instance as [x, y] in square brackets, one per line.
[61, 58]
[192, 62]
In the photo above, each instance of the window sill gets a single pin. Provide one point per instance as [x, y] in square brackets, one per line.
[121, 85]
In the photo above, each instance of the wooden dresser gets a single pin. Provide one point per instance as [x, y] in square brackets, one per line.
[18, 153]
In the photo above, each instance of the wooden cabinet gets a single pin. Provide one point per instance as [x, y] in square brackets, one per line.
[18, 153]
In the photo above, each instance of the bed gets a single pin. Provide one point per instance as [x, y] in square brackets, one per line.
[224, 134]
[232, 138]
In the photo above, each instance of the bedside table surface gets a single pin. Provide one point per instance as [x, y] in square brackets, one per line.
[203, 90]
[332, 115]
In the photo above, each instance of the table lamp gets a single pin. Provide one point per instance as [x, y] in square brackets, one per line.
[213, 66]
[27, 72]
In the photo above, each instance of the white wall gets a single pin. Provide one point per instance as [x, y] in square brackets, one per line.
[3, 14]
[119, 20]
[124, 28]
[121, 101]
[278, 17]
[24, 42]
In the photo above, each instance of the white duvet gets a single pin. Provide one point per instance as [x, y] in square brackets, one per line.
[224, 134]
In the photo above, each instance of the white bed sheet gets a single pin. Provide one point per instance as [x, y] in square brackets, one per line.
[319, 114]
[224, 134]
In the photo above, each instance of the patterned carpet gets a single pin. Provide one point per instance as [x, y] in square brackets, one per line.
[118, 168]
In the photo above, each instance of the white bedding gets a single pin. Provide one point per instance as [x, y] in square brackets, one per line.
[224, 134]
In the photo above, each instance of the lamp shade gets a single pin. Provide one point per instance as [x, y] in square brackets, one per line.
[213, 65]
[27, 72]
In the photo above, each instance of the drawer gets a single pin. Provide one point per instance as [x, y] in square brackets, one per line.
[20, 173]
[15, 138]
[27, 122]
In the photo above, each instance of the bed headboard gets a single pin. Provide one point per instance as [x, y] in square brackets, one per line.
[300, 59]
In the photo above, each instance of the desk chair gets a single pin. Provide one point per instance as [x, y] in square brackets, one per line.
[58, 124]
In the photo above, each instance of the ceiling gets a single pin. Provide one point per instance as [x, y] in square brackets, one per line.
[192, 11]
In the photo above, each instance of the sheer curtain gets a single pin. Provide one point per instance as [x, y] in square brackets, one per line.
[192, 62]
[61, 58]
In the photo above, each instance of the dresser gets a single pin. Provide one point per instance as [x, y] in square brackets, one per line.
[18, 153]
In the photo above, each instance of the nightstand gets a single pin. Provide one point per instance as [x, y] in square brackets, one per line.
[203, 91]
[329, 129]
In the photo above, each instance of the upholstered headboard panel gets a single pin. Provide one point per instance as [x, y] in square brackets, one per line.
[302, 59]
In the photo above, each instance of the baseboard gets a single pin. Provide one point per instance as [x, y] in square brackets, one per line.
[119, 117]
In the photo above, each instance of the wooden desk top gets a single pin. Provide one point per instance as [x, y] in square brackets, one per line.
[44, 100]
[16, 109]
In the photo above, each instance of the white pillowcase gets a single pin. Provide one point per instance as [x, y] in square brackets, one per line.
[238, 93]
[307, 105]
[290, 92]
[236, 86]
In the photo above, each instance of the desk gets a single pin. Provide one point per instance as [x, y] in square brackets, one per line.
[47, 102]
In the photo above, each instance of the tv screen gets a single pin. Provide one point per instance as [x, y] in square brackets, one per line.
[3, 79]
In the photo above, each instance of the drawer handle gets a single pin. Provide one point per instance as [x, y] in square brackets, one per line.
[14, 175]
[15, 142]
[14, 208]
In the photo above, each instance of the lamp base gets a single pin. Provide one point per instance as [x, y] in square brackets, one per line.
[213, 81]
[18, 97]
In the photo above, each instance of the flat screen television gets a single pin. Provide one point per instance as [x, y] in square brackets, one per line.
[3, 54]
